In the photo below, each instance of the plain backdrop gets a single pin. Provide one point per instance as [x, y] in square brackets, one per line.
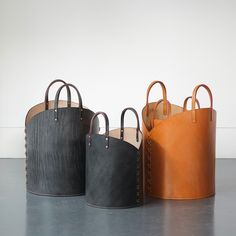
[112, 50]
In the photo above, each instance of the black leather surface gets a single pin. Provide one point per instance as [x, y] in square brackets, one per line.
[55, 147]
[56, 152]
[114, 174]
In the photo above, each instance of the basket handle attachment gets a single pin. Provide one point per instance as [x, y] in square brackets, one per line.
[164, 95]
[57, 100]
[156, 106]
[46, 103]
[122, 123]
[194, 101]
[186, 102]
[106, 127]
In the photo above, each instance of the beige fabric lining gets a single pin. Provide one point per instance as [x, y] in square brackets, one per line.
[41, 106]
[129, 136]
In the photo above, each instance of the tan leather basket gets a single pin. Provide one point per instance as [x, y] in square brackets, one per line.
[179, 148]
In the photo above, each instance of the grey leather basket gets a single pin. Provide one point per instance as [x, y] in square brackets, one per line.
[55, 145]
[114, 166]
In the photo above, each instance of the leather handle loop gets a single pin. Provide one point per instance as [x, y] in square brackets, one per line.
[122, 123]
[46, 103]
[57, 100]
[155, 108]
[106, 127]
[194, 101]
[186, 102]
[164, 94]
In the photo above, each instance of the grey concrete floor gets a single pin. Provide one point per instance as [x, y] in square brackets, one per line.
[22, 213]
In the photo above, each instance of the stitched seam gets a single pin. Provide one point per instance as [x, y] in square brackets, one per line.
[148, 165]
[26, 158]
[138, 179]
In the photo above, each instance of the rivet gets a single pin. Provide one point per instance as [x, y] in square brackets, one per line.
[106, 146]
[55, 110]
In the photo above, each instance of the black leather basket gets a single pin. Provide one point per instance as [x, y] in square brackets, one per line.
[114, 166]
[55, 145]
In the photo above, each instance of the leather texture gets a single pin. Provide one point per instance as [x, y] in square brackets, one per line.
[186, 103]
[114, 167]
[55, 149]
[180, 152]
[46, 101]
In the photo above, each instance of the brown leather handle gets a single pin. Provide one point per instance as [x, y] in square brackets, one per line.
[194, 100]
[164, 94]
[106, 125]
[155, 108]
[46, 103]
[122, 123]
[186, 102]
[56, 103]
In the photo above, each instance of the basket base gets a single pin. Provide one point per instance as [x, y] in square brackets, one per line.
[124, 207]
[55, 195]
[179, 199]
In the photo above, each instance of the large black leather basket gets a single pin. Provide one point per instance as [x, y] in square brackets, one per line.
[114, 168]
[55, 145]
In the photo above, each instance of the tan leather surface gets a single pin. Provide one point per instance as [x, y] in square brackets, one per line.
[180, 153]
[186, 103]
[164, 94]
[158, 114]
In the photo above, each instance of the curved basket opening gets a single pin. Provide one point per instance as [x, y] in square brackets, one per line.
[41, 107]
[158, 115]
[129, 136]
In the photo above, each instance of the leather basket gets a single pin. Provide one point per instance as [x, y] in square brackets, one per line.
[114, 166]
[180, 150]
[55, 145]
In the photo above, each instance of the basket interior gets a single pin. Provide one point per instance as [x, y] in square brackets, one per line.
[129, 136]
[158, 114]
[41, 107]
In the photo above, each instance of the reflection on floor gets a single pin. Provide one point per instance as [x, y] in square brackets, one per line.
[31, 215]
